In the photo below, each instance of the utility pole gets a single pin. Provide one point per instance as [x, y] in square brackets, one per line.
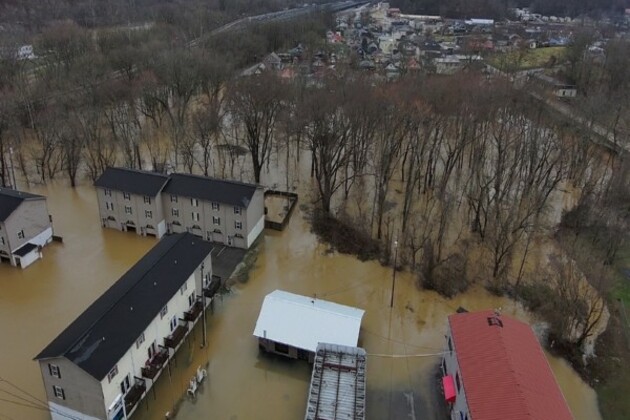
[203, 305]
[391, 303]
[13, 183]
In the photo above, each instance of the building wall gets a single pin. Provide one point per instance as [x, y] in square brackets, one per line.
[255, 216]
[138, 216]
[451, 365]
[82, 392]
[32, 217]
[4, 241]
[137, 355]
[225, 231]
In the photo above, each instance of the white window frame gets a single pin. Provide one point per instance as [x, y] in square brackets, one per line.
[59, 393]
[20, 234]
[109, 205]
[238, 225]
[147, 199]
[194, 202]
[148, 214]
[112, 373]
[140, 340]
[108, 192]
[163, 311]
[216, 220]
[183, 288]
[216, 206]
[195, 216]
[126, 196]
[173, 323]
[54, 370]
[237, 210]
[128, 210]
[175, 212]
[173, 199]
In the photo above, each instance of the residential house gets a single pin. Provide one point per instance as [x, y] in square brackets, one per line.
[555, 86]
[107, 360]
[129, 200]
[228, 212]
[292, 325]
[25, 227]
[273, 61]
[494, 368]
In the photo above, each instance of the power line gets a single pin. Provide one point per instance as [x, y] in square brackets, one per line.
[403, 356]
[42, 404]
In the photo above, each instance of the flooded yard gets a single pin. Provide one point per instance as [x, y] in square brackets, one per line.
[37, 303]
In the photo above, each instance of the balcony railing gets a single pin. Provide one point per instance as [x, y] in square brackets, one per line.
[134, 394]
[194, 311]
[213, 287]
[153, 366]
[176, 336]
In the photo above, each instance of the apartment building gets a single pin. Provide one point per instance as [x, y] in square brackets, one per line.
[227, 212]
[104, 363]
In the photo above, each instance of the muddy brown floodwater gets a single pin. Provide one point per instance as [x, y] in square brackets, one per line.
[37, 303]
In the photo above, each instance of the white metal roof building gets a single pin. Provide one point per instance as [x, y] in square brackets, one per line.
[337, 388]
[303, 322]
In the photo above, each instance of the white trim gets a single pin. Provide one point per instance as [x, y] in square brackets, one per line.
[161, 228]
[256, 230]
[43, 238]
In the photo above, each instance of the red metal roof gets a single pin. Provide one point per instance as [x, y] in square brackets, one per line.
[504, 371]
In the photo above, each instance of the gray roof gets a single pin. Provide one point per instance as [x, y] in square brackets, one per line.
[11, 200]
[132, 181]
[211, 189]
[102, 334]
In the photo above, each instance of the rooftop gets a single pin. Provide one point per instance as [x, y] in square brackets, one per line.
[304, 322]
[11, 200]
[102, 334]
[132, 181]
[504, 371]
[211, 189]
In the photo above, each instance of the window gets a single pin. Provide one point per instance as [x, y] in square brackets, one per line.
[173, 323]
[215, 206]
[450, 345]
[206, 280]
[457, 382]
[216, 221]
[148, 214]
[195, 216]
[238, 225]
[108, 192]
[175, 212]
[54, 370]
[128, 210]
[191, 299]
[237, 210]
[183, 288]
[109, 205]
[163, 311]
[173, 199]
[194, 202]
[112, 373]
[58, 391]
[147, 199]
[21, 234]
[2, 240]
[140, 340]
[126, 196]
[281, 348]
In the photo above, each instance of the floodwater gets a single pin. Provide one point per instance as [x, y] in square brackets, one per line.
[37, 303]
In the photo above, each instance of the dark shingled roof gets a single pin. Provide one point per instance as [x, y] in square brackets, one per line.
[132, 181]
[102, 334]
[211, 189]
[28, 247]
[11, 200]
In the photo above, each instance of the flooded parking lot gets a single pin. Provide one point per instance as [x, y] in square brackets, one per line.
[37, 303]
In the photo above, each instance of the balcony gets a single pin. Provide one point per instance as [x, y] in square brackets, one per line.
[134, 394]
[153, 366]
[213, 287]
[194, 311]
[178, 334]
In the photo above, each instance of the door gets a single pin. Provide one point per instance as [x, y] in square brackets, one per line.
[151, 350]
[173, 322]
